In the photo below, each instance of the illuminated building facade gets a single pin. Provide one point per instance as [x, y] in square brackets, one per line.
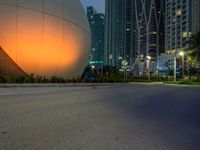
[45, 37]
[150, 27]
[150, 21]
[178, 24]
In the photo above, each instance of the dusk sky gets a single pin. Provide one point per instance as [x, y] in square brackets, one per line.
[99, 5]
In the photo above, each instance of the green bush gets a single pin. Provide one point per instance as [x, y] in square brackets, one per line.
[117, 78]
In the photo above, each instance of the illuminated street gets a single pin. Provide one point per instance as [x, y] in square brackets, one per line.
[111, 117]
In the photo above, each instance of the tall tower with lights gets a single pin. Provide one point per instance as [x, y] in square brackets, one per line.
[150, 21]
[195, 16]
[97, 26]
[120, 32]
[178, 27]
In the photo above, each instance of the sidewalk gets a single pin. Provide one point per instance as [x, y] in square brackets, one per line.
[89, 84]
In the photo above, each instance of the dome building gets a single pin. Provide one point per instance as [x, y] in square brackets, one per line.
[44, 37]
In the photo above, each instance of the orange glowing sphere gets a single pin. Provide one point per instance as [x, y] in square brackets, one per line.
[45, 37]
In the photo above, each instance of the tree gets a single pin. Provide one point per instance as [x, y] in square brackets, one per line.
[195, 48]
[193, 58]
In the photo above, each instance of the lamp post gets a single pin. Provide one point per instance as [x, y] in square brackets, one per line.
[148, 67]
[102, 69]
[124, 64]
[175, 68]
[182, 56]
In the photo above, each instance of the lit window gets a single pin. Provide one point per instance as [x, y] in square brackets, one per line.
[174, 19]
[153, 33]
[153, 44]
[190, 34]
[186, 34]
[179, 12]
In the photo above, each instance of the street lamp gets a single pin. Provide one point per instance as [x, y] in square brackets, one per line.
[175, 68]
[148, 66]
[182, 56]
[124, 65]
[181, 53]
[149, 57]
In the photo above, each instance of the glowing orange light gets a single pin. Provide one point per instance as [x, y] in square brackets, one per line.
[44, 45]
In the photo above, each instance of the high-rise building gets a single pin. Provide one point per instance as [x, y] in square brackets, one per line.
[90, 13]
[150, 24]
[195, 16]
[120, 32]
[97, 26]
[182, 19]
[150, 20]
[178, 24]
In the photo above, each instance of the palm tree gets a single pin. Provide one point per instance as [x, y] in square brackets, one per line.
[195, 48]
[194, 56]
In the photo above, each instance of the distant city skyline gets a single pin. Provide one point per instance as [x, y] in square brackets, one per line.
[99, 5]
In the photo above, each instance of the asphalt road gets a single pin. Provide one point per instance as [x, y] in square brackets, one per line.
[115, 117]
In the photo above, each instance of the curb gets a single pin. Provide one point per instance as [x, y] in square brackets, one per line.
[182, 85]
[24, 85]
[147, 83]
[58, 85]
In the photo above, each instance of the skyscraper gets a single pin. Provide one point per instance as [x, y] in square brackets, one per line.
[90, 13]
[150, 30]
[195, 16]
[120, 32]
[97, 26]
[182, 19]
[178, 24]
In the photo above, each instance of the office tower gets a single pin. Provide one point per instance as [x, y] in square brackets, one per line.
[90, 13]
[178, 24]
[195, 16]
[150, 30]
[97, 26]
[120, 32]
[150, 27]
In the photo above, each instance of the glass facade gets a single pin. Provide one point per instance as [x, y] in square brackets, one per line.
[150, 27]
[150, 18]
[97, 26]
[120, 32]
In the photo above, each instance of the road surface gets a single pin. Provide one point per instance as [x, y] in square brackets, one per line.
[115, 117]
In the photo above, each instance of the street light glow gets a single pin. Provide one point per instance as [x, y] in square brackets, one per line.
[149, 57]
[181, 53]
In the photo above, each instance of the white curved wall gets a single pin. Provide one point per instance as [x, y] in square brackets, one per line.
[45, 37]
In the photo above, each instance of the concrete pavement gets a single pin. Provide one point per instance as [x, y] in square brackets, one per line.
[112, 117]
